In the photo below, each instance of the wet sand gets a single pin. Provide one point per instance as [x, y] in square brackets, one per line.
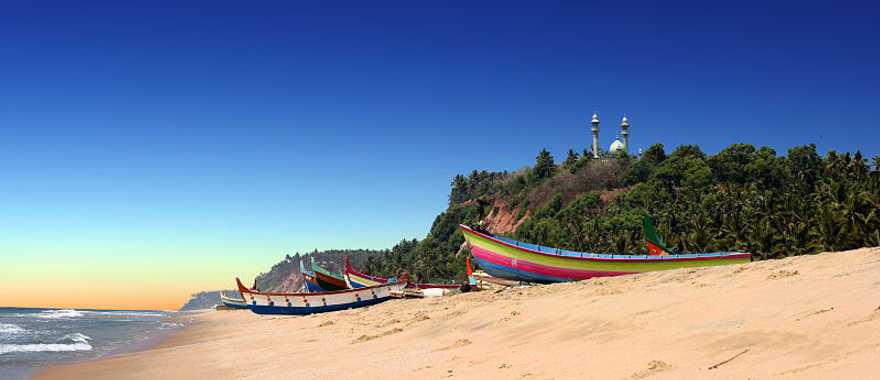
[803, 317]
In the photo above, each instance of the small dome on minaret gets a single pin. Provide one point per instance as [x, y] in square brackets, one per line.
[624, 121]
[595, 118]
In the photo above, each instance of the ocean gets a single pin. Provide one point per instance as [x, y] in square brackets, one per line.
[31, 339]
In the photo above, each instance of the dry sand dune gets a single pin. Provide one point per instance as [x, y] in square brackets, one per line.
[804, 317]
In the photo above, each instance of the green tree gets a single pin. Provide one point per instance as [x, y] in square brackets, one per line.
[545, 167]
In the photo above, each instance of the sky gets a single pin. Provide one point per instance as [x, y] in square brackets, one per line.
[153, 149]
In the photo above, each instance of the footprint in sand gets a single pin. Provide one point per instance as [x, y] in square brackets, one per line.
[875, 315]
[367, 338]
[458, 344]
[420, 316]
[782, 274]
[654, 367]
[513, 315]
[815, 312]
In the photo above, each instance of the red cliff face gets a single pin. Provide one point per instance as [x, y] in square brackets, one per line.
[501, 220]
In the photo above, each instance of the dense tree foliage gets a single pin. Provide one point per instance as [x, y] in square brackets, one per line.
[743, 198]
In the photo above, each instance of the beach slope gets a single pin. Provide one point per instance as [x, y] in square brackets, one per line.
[803, 317]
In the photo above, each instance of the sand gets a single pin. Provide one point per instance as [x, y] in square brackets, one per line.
[803, 317]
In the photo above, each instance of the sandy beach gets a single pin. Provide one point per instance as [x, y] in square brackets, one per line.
[803, 317]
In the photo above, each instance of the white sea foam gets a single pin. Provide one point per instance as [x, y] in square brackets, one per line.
[71, 342]
[41, 347]
[170, 325]
[9, 329]
[144, 314]
[77, 338]
[57, 314]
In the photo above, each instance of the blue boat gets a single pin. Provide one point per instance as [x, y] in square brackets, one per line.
[317, 302]
[310, 283]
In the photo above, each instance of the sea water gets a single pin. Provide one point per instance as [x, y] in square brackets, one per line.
[31, 339]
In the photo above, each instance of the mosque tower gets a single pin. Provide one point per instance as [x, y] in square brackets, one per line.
[595, 135]
[624, 132]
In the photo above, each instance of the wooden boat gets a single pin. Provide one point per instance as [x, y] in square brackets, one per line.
[356, 279]
[328, 280]
[319, 302]
[232, 303]
[515, 260]
[310, 284]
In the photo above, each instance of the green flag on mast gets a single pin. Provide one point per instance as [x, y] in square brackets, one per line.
[652, 241]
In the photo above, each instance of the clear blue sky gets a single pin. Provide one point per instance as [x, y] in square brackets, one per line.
[143, 127]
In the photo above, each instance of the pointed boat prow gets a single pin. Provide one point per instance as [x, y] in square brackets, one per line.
[241, 288]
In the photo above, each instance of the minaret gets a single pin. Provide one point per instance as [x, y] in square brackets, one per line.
[595, 135]
[624, 132]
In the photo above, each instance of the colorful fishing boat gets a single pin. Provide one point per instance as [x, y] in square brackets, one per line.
[319, 302]
[232, 303]
[310, 284]
[356, 279]
[327, 279]
[515, 260]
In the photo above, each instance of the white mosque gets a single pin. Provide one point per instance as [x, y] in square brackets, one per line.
[617, 145]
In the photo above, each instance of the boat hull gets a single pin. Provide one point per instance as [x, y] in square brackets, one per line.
[311, 285]
[297, 310]
[330, 282]
[232, 303]
[356, 280]
[508, 259]
[320, 302]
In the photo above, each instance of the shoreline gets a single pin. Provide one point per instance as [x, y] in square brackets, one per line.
[806, 317]
[186, 320]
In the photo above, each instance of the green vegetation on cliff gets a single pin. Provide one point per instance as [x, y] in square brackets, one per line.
[743, 198]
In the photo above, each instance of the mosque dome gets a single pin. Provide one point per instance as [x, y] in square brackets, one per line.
[615, 146]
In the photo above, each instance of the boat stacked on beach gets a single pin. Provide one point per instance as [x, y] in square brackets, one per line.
[326, 291]
[505, 262]
[356, 279]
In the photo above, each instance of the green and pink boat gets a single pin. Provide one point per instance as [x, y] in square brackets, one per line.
[510, 259]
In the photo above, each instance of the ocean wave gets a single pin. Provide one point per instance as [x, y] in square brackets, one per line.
[76, 338]
[69, 343]
[9, 329]
[144, 314]
[170, 325]
[57, 314]
[44, 347]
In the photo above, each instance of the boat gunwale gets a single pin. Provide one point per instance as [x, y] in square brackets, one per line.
[632, 258]
[223, 297]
